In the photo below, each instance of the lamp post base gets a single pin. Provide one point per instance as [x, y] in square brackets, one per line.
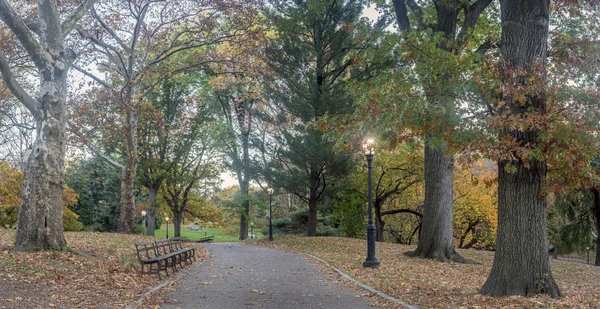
[371, 263]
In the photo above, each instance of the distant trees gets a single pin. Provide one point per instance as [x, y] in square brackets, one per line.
[132, 40]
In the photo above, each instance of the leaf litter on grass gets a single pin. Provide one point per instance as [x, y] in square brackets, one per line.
[431, 284]
[100, 270]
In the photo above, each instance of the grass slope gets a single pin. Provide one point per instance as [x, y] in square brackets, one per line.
[99, 270]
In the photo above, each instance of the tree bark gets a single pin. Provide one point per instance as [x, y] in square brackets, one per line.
[40, 216]
[127, 209]
[597, 215]
[311, 227]
[245, 211]
[435, 241]
[521, 262]
[244, 182]
[177, 219]
[152, 209]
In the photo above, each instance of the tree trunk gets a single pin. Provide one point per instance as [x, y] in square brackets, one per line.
[597, 213]
[521, 262]
[435, 241]
[40, 223]
[311, 228]
[127, 209]
[152, 209]
[245, 210]
[244, 180]
[177, 219]
[379, 224]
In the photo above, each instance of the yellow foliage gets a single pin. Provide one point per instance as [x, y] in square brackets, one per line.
[11, 182]
[476, 205]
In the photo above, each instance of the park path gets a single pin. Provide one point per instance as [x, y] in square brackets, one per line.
[247, 276]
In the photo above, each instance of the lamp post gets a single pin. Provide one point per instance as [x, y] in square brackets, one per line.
[588, 254]
[371, 260]
[144, 222]
[167, 219]
[270, 190]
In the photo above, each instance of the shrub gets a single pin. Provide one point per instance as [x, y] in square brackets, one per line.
[70, 222]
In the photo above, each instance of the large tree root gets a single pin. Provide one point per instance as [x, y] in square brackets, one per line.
[440, 255]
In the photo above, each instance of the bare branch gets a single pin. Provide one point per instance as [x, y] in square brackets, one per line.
[397, 211]
[10, 17]
[18, 91]
[110, 31]
[93, 148]
[71, 20]
[33, 25]
[92, 76]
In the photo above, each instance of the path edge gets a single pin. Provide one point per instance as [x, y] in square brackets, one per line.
[358, 283]
[139, 301]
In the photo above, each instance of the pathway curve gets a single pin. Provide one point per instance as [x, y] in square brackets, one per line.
[247, 276]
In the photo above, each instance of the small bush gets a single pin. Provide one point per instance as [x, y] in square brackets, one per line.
[70, 222]
[129, 262]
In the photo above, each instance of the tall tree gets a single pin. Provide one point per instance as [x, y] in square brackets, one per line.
[311, 58]
[238, 110]
[43, 39]
[450, 37]
[173, 143]
[521, 264]
[131, 39]
[596, 193]
[241, 97]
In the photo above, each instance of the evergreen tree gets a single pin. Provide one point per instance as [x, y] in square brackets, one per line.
[97, 185]
[311, 58]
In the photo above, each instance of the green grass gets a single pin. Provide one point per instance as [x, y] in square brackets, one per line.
[219, 233]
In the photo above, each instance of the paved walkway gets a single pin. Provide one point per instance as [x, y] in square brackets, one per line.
[247, 276]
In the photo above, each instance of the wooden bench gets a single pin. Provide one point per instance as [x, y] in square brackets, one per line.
[177, 246]
[206, 239]
[164, 254]
[148, 257]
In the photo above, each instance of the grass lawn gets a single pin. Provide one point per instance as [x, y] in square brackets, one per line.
[431, 284]
[220, 233]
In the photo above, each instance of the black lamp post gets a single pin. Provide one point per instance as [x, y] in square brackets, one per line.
[270, 213]
[167, 219]
[144, 222]
[371, 260]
